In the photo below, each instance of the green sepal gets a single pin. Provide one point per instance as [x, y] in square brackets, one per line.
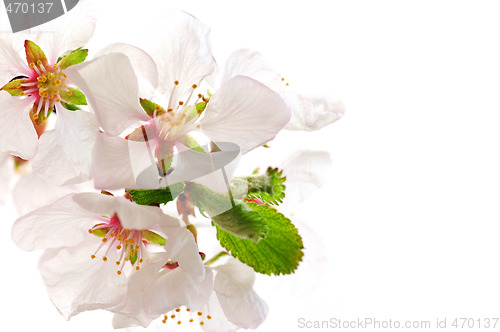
[68, 53]
[74, 58]
[153, 238]
[70, 107]
[233, 216]
[196, 110]
[34, 53]
[14, 87]
[150, 108]
[100, 232]
[268, 187]
[133, 258]
[156, 196]
[191, 143]
[280, 252]
[76, 97]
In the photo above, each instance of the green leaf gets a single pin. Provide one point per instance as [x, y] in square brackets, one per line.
[70, 107]
[233, 216]
[191, 143]
[14, 87]
[278, 253]
[156, 196]
[73, 96]
[154, 238]
[74, 58]
[150, 108]
[268, 187]
[34, 54]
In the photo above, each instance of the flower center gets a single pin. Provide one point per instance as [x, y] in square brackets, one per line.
[128, 242]
[47, 85]
[177, 316]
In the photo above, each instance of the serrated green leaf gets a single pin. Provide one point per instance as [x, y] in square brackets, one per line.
[233, 216]
[151, 108]
[74, 58]
[73, 96]
[156, 196]
[278, 253]
[14, 87]
[269, 187]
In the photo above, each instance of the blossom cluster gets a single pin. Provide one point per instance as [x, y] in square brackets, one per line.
[125, 152]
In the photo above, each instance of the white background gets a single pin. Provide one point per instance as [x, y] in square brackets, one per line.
[407, 228]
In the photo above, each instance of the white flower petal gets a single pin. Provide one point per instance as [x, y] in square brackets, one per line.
[185, 55]
[31, 192]
[311, 114]
[240, 303]
[306, 171]
[182, 248]
[143, 64]
[65, 153]
[61, 224]
[131, 215]
[173, 288]
[249, 63]
[245, 112]
[218, 322]
[77, 283]
[65, 33]
[17, 133]
[111, 168]
[11, 62]
[110, 84]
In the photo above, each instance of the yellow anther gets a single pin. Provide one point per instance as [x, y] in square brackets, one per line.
[32, 65]
[35, 116]
[22, 93]
[287, 84]
[45, 94]
[199, 313]
[137, 268]
[39, 78]
[141, 260]
[93, 256]
[200, 95]
[51, 96]
[90, 231]
[105, 239]
[282, 78]
[57, 100]
[105, 258]
[112, 234]
[198, 126]
[18, 86]
[117, 262]
[181, 103]
[70, 93]
[177, 309]
[173, 316]
[55, 91]
[118, 272]
[209, 317]
[194, 86]
[118, 247]
[170, 110]
[164, 321]
[201, 323]
[40, 86]
[179, 322]
[191, 320]
[39, 62]
[137, 247]
[58, 82]
[51, 76]
[176, 82]
[119, 237]
[187, 309]
[126, 258]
